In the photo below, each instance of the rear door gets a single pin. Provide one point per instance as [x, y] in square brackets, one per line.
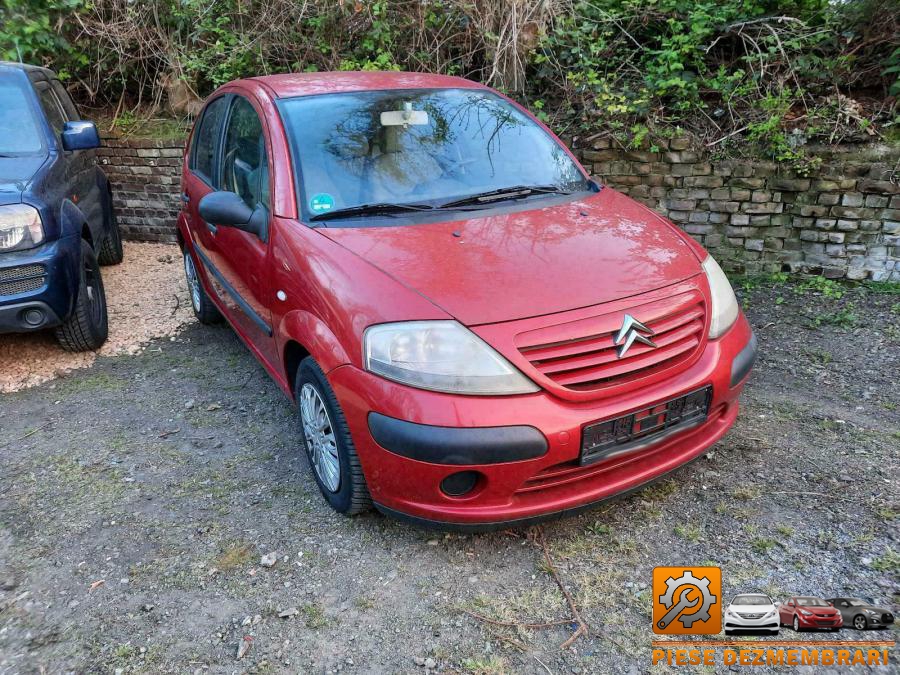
[201, 178]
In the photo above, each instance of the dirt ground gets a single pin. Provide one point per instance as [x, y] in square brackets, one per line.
[146, 299]
[139, 496]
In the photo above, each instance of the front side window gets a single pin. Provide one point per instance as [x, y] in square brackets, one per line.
[412, 146]
[203, 153]
[244, 167]
[19, 129]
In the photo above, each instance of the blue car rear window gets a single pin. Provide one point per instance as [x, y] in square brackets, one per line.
[19, 130]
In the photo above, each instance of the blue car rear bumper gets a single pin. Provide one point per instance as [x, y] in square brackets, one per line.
[38, 287]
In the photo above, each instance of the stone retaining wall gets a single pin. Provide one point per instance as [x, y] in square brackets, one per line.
[844, 221]
[755, 217]
[146, 182]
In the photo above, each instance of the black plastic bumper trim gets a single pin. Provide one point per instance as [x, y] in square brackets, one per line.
[12, 321]
[475, 528]
[456, 445]
[744, 361]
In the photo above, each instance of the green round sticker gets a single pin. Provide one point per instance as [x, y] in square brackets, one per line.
[321, 202]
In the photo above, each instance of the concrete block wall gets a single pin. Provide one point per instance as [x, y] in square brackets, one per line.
[755, 216]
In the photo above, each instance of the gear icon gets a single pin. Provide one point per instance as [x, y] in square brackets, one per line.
[688, 579]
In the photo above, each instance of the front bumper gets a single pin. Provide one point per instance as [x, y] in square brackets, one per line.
[763, 623]
[813, 622]
[539, 485]
[38, 286]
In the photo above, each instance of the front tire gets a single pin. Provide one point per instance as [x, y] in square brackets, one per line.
[111, 252]
[204, 309]
[860, 622]
[87, 327]
[326, 438]
[796, 624]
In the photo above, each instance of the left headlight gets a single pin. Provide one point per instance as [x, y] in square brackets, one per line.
[440, 356]
[724, 304]
[20, 227]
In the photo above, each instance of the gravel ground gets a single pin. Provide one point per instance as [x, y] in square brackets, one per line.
[147, 299]
[140, 497]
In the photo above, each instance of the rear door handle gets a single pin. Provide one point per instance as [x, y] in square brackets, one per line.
[185, 197]
[212, 228]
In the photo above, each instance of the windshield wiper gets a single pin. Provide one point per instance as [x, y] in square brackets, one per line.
[370, 210]
[514, 192]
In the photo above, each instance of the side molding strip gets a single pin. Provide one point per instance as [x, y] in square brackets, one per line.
[243, 304]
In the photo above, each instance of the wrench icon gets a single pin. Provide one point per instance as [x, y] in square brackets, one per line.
[682, 604]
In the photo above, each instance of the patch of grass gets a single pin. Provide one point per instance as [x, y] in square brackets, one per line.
[364, 602]
[235, 555]
[486, 665]
[828, 288]
[882, 287]
[660, 490]
[690, 533]
[80, 382]
[887, 512]
[763, 545]
[785, 530]
[746, 492]
[314, 614]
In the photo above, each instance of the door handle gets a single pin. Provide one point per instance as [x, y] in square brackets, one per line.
[185, 198]
[212, 228]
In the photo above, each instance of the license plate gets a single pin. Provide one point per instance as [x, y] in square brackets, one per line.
[644, 427]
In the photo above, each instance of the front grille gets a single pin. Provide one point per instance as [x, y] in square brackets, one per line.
[22, 279]
[749, 615]
[582, 355]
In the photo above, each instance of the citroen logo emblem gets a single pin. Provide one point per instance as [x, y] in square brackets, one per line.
[630, 332]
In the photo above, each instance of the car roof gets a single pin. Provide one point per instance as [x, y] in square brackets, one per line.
[28, 68]
[308, 84]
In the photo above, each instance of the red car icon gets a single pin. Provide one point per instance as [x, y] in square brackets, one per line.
[804, 612]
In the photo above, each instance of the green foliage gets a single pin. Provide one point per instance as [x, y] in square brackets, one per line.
[769, 75]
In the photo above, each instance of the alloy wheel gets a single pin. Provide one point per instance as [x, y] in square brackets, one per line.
[859, 623]
[190, 272]
[320, 440]
[796, 624]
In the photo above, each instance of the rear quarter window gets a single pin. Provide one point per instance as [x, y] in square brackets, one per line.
[203, 152]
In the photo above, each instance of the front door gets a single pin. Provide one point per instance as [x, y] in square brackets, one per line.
[241, 258]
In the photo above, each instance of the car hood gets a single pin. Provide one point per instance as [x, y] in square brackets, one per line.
[524, 263]
[15, 175]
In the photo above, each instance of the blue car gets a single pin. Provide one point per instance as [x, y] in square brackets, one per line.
[57, 224]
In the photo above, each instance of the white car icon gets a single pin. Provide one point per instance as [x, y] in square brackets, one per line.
[751, 612]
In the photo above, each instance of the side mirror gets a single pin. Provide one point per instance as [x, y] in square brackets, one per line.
[80, 135]
[228, 209]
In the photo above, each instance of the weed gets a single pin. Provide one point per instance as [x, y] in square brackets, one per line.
[747, 492]
[690, 533]
[314, 615]
[785, 530]
[889, 561]
[487, 665]
[762, 545]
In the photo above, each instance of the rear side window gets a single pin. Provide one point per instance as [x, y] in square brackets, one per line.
[67, 105]
[203, 154]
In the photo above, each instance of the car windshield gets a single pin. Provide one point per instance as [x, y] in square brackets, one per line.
[751, 600]
[19, 132]
[422, 147]
[811, 602]
[857, 603]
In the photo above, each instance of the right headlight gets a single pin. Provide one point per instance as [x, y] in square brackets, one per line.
[20, 227]
[724, 304]
[442, 356]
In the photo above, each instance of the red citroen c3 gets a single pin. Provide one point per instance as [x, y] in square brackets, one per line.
[476, 334]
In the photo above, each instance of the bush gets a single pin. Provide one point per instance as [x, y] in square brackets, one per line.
[766, 74]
